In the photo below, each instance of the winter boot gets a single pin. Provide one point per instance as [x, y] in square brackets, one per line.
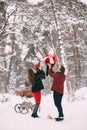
[34, 114]
[59, 118]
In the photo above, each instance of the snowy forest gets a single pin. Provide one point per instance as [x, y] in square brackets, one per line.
[29, 31]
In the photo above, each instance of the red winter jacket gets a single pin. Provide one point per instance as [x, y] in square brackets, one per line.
[58, 81]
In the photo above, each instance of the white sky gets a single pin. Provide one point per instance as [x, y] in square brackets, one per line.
[75, 114]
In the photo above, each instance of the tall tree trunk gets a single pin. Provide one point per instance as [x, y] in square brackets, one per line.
[76, 56]
[59, 57]
[13, 49]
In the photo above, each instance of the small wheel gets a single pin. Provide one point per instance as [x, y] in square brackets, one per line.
[24, 109]
[32, 108]
[17, 107]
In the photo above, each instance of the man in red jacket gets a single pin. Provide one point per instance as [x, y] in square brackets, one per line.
[58, 89]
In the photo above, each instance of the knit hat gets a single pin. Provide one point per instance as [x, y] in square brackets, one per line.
[37, 66]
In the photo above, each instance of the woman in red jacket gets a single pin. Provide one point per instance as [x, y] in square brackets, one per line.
[58, 89]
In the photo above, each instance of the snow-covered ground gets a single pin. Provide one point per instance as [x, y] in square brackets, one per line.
[75, 114]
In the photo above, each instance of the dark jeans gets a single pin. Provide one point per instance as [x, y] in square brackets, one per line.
[57, 101]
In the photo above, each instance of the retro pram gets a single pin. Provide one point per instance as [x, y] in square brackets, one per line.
[26, 105]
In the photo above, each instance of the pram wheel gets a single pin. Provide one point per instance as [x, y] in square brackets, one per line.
[17, 107]
[24, 109]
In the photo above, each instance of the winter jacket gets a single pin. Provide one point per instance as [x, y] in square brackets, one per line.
[38, 85]
[58, 81]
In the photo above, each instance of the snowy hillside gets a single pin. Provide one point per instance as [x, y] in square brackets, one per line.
[75, 114]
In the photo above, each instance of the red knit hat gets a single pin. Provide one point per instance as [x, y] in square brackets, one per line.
[37, 66]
